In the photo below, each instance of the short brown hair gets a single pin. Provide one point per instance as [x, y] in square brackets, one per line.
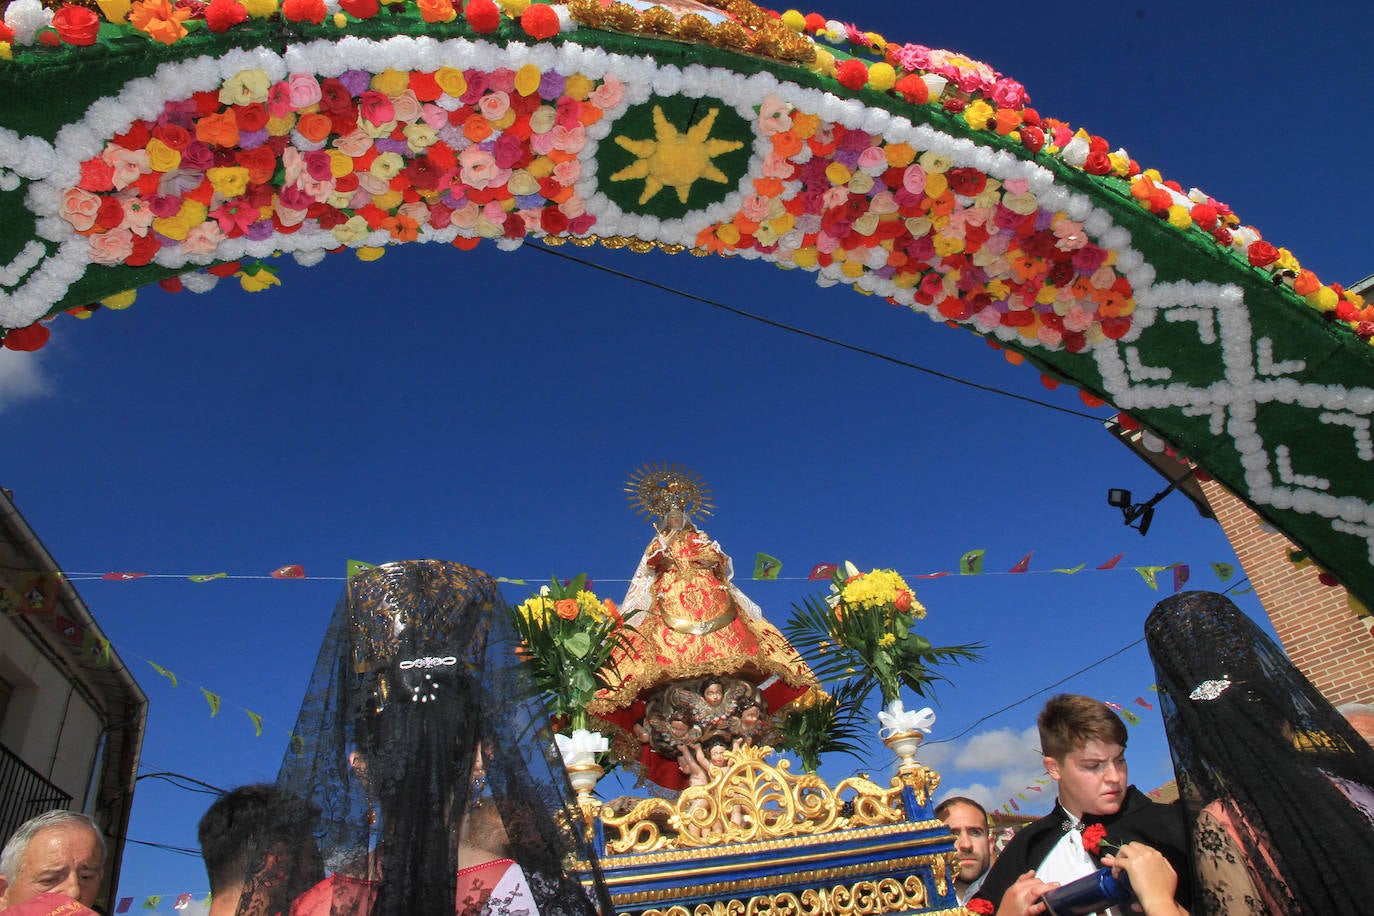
[942, 809]
[1071, 720]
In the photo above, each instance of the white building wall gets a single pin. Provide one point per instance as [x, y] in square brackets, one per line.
[48, 724]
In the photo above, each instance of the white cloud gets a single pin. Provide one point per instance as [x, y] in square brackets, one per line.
[21, 377]
[1000, 749]
[1012, 758]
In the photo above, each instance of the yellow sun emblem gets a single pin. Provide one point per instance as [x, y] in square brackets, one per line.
[673, 159]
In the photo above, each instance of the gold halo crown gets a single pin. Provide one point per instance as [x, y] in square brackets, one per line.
[656, 488]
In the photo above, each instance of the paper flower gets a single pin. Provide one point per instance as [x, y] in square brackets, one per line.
[896, 719]
[581, 747]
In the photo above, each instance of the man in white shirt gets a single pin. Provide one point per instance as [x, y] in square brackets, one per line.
[1084, 744]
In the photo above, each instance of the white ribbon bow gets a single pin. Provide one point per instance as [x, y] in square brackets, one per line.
[897, 719]
[581, 746]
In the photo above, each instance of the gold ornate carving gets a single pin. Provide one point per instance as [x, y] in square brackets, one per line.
[751, 799]
[752, 30]
[887, 895]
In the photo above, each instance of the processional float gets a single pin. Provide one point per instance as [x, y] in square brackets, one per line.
[688, 684]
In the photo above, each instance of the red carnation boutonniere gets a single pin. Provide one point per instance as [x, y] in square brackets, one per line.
[980, 906]
[1096, 841]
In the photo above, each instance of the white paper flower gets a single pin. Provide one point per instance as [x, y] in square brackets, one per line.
[897, 719]
[581, 746]
[26, 17]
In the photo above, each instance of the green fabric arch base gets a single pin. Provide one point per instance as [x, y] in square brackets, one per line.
[904, 173]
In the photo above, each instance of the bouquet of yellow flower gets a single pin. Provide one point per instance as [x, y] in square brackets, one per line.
[865, 629]
[567, 635]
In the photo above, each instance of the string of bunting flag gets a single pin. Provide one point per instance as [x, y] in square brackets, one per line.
[766, 568]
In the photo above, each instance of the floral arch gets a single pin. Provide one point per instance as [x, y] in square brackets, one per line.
[184, 144]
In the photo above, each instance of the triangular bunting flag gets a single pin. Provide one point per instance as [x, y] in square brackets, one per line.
[123, 577]
[164, 672]
[1023, 564]
[503, 579]
[257, 722]
[1114, 707]
[213, 700]
[1143, 702]
[1148, 573]
[206, 577]
[1181, 574]
[766, 567]
[297, 744]
[1130, 717]
[934, 575]
[68, 629]
[152, 902]
[294, 571]
[822, 571]
[97, 647]
[1111, 564]
[1224, 571]
[124, 904]
[1069, 571]
[1242, 591]
[1014, 804]
[971, 563]
[183, 900]
[357, 566]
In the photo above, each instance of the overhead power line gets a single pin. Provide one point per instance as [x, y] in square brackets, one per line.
[792, 329]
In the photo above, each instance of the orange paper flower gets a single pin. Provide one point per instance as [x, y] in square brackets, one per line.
[160, 20]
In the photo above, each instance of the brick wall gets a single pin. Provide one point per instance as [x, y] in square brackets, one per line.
[1320, 633]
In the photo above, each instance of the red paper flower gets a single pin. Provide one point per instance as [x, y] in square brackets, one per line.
[539, 21]
[1262, 254]
[76, 25]
[32, 337]
[360, 9]
[482, 15]
[980, 906]
[222, 15]
[311, 11]
[852, 74]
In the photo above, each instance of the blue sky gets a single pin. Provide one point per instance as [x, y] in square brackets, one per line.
[486, 407]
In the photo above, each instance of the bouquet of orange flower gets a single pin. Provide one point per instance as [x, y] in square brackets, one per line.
[866, 628]
[567, 636]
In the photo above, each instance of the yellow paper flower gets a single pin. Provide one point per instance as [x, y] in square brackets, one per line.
[191, 214]
[257, 279]
[527, 79]
[882, 77]
[120, 300]
[391, 83]
[260, 9]
[245, 87]
[451, 80]
[370, 253]
[161, 157]
[228, 180]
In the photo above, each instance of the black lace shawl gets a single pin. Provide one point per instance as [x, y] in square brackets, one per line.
[417, 672]
[1256, 746]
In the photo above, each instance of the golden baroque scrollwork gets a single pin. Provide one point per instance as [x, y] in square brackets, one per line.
[752, 31]
[751, 799]
[863, 898]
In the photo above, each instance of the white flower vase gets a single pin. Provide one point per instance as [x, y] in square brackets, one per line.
[579, 752]
[903, 730]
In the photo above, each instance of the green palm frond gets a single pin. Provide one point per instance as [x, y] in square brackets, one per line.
[831, 726]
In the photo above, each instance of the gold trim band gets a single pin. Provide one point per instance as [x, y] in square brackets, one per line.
[691, 627]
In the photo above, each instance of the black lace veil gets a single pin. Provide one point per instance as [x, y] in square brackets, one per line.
[419, 741]
[1257, 746]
